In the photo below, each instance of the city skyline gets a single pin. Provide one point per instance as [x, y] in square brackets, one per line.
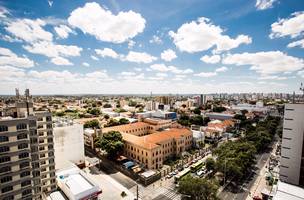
[112, 47]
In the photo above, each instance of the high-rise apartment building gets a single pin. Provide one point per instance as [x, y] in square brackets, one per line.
[292, 150]
[27, 167]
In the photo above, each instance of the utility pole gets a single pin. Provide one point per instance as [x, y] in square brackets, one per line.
[137, 192]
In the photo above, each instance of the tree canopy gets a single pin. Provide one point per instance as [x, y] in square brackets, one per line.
[91, 124]
[198, 188]
[112, 143]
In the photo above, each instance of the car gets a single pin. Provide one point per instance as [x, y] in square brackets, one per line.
[169, 176]
[173, 173]
[200, 173]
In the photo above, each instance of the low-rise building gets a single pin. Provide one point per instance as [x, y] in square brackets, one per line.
[149, 146]
[76, 185]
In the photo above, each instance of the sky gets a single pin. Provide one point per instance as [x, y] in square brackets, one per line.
[138, 47]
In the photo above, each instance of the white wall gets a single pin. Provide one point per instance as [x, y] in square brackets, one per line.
[68, 145]
[292, 142]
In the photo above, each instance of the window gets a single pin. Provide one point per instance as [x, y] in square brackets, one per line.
[289, 129]
[25, 173]
[24, 164]
[288, 119]
[42, 155]
[22, 136]
[23, 155]
[49, 126]
[7, 189]
[50, 140]
[48, 118]
[41, 148]
[3, 128]
[285, 147]
[6, 179]
[5, 169]
[21, 126]
[51, 154]
[41, 140]
[3, 138]
[4, 149]
[289, 109]
[23, 146]
[26, 192]
[25, 183]
[32, 123]
[11, 197]
[285, 138]
[5, 159]
[49, 133]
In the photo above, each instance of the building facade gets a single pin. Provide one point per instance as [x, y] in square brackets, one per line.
[292, 150]
[27, 166]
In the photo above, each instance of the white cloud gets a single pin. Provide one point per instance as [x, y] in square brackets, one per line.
[299, 43]
[61, 61]
[104, 25]
[52, 50]
[221, 69]
[264, 4]
[8, 73]
[293, 26]
[173, 69]
[156, 40]
[8, 38]
[128, 73]
[131, 44]
[137, 69]
[139, 57]
[3, 12]
[301, 73]
[7, 57]
[106, 52]
[63, 31]
[211, 59]
[168, 55]
[94, 58]
[50, 3]
[29, 30]
[202, 35]
[273, 78]
[269, 62]
[161, 74]
[86, 64]
[206, 74]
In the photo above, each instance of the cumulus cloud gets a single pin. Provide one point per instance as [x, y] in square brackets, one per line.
[273, 77]
[299, 43]
[221, 69]
[7, 57]
[168, 55]
[86, 64]
[264, 4]
[29, 30]
[211, 59]
[269, 62]
[61, 61]
[94, 58]
[173, 69]
[3, 12]
[106, 52]
[50, 49]
[106, 26]
[63, 31]
[202, 35]
[206, 74]
[293, 26]
[139, 57]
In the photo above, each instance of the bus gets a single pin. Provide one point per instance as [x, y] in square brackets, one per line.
[181, 174]
[196, 166]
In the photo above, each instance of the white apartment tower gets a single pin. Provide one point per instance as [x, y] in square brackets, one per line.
[292, 150]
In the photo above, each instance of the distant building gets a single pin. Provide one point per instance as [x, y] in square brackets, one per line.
[203, 100]
[292, 150]
[219, 116]
[68, 143]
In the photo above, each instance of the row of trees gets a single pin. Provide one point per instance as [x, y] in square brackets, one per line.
[185, 120]
[114, 122]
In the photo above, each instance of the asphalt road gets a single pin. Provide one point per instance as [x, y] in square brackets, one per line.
[108, 169]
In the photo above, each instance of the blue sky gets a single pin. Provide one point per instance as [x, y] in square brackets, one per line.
[194, 46]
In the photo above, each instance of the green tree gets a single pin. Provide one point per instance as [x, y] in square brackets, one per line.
[112, 143]
[218, 109]
[197, 111]
[106, 116]
[91, 124]
[198, 189]
[124, 121]
[210, 164]
[107, 105]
